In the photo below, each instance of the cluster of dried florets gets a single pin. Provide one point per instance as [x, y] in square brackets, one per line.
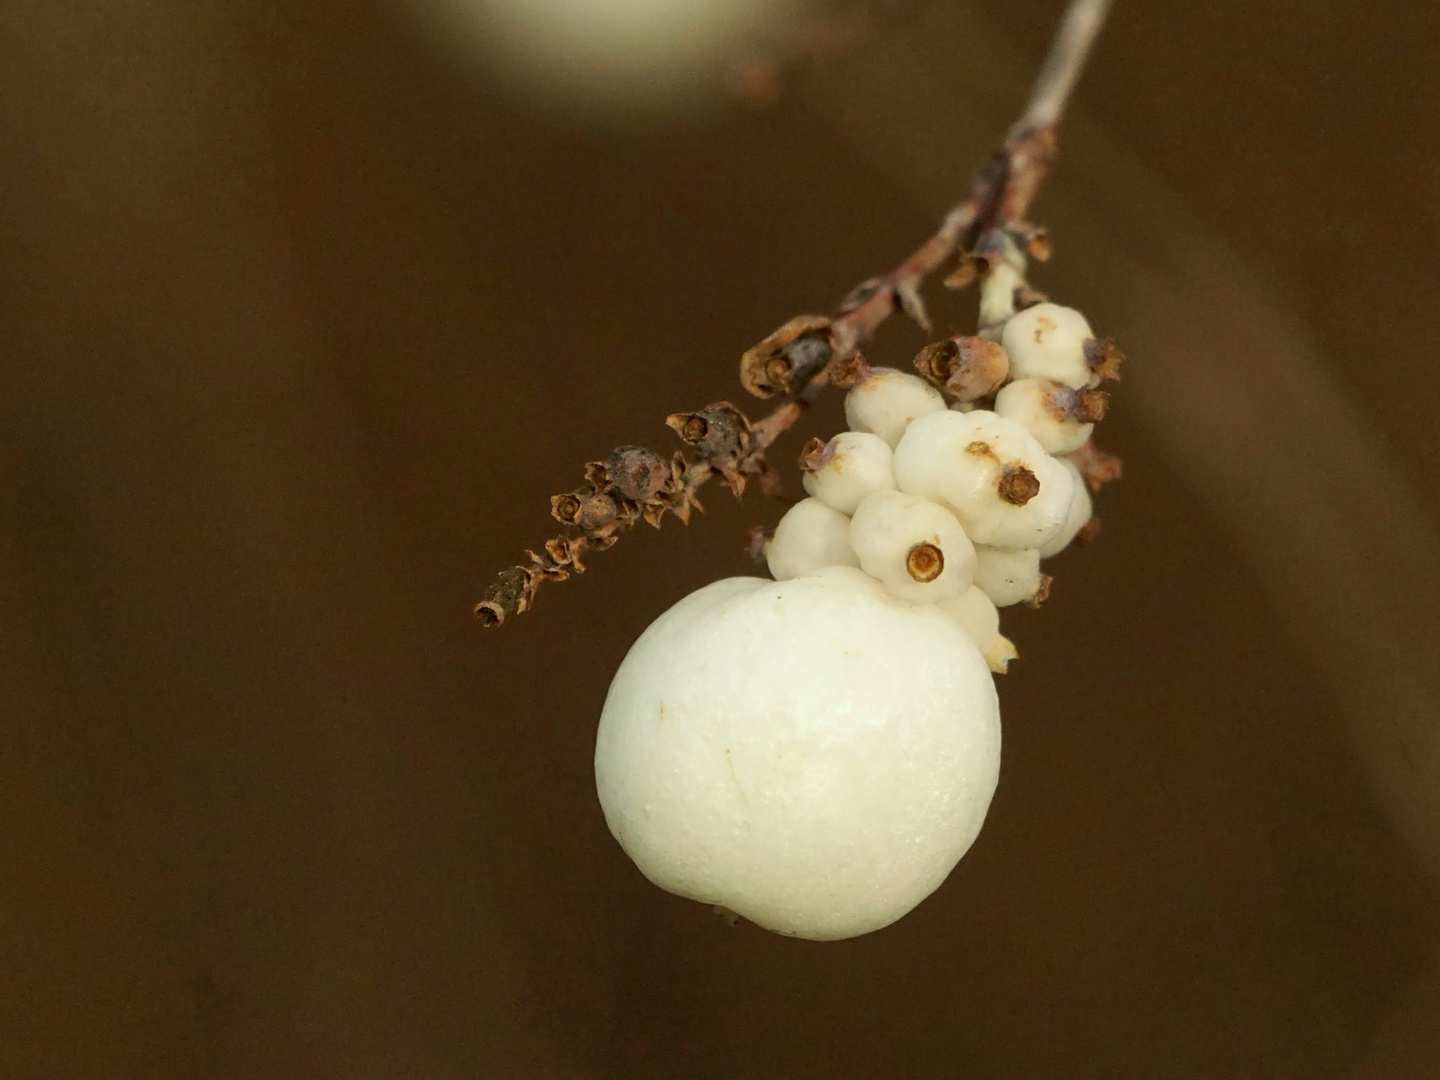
[950, 489]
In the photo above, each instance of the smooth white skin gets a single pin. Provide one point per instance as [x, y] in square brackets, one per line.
[886, 401]
[1047, 341]
[859, 464]
[626, 59]
[1082, 509]
[809, 536]
[976, 614]
[1007, 576]
[934, 462]
[888, 524]
[812, 754]
[1028, 402]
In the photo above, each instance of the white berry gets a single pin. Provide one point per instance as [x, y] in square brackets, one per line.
[811, 754]
[913, 546]
[1047, 341]
[1081, 511]
[976, 614]
[809, 536]
[990, 472]
[852, 465]
[1048, 410]
[885, 400]
[1007, 576]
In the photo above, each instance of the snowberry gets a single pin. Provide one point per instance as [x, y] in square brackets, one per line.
[976, 614]
[850, 466]
[1008, 576]
[809, 536]
[913, 546]
[990, 472]
[1060, 417]
[1047, 341]
[997, 299]
[1081, 511]
[885, 400]
[812, 754]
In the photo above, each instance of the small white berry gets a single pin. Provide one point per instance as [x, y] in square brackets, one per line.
[1008, 576]
[811, 754]
[852, 465]
[913, 546]
[1047, 341]
[990, 472]
[809, 536]
[1081, 511]
[885, 400]
[1060, 417]
[976, 614]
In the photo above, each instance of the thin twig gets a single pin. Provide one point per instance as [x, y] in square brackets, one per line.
[1068, 54]
[805, 356]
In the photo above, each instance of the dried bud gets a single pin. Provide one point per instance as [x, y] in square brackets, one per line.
[1033, 239]
[1097, 466]
[969, 368]
[816, 453]
[925, 563]
[850, 371]
[566, 508]
[1089, 406]
[587, 510]
[755, 542]
[1017, 485]
[636, 473]
[716, 432]
[1042, 593]
[967, 271]
[509, 595]
[789, 358]
[1103, 359]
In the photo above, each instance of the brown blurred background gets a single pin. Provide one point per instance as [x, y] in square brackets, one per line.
[303, 316]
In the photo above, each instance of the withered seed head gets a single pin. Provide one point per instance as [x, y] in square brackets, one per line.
[566, 508]
[636, 473]
[587, 510]
[966, 367]
[787, 359]
[716, 432]
[937, 362]
[1018, 485]
[925, 563]
[508, 595]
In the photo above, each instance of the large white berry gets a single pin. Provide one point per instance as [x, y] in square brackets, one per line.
[914, 546]
[1047, 341]
[885, 400]
[990, 472]
[809, 536]
[813, 754]
[1008, 576]
[976, 614]
[1082, 509]
[1057, 415]
[852, 465]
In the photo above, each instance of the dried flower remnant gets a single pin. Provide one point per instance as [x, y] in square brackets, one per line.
[988, 237]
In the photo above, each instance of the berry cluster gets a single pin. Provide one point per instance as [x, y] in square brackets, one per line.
[957, 504]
